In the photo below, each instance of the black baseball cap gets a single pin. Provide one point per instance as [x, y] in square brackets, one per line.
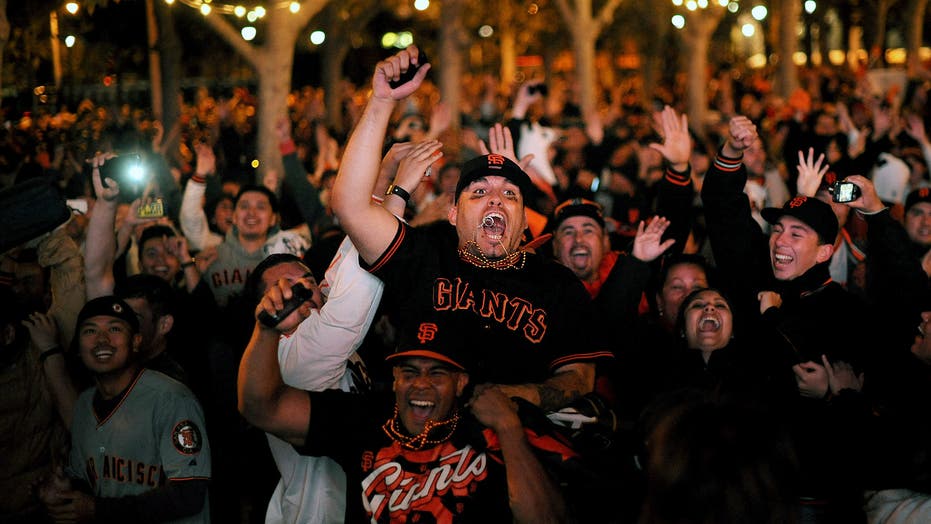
[813, 212]
[435, 340]
[922, 194]
[492, 165]
[576, 207]
[109, 306]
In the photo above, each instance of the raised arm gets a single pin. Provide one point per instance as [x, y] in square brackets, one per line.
[264, 399]
[100, 247]
[192, 218]
[371, 227]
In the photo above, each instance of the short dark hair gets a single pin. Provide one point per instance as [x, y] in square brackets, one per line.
[156, 231]
[255, 188]
[253, 289]
[161, 297]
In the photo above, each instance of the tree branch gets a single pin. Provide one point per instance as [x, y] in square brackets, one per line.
[233, 38]
[567, 12]
[606, 15]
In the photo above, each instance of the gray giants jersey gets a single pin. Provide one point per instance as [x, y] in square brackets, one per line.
[154, 435]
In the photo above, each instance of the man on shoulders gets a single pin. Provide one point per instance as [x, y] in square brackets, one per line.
[521, 314]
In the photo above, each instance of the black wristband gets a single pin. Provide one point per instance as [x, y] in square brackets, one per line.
[49, 352]
[400, 191]
[189, 263]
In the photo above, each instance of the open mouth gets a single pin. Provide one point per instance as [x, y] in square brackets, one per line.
[494, 224]
[782, 260]
[708, 324]
[422, 409]
[103, 353]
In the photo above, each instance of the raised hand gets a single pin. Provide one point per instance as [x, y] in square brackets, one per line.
[869, 201]
[500, 142]
[390, 69]
[111, 191]
[915, 128]
[741, 135]
[413, 166]
[275, 297]
[648, 243]
[283, 129]
[677, 144]
[810, 172]
[206, 160]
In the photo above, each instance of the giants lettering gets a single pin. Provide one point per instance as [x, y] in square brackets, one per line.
[514, 312]
[389, 487]
[227, 277]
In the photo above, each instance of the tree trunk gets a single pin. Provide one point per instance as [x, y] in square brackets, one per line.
[275, 70]
[696, 53]
[696, 36]
[787, 75]
[450, 64]
[4, 37]
[273, 62]
[878, 55]
[507, 43]
[171, 54]
[584, 47]
[155, 61]
[916, 19]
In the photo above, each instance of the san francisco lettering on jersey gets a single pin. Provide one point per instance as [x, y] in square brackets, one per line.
[125, 470]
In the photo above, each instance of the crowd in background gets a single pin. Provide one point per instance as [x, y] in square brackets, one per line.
[197, 271]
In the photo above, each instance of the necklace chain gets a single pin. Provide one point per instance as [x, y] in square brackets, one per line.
[418, 442]
[515, 260]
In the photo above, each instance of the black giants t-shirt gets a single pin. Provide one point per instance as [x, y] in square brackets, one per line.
[453, 481]
[519, 323]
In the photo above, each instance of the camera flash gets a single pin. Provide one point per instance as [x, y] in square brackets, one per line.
[136, 173]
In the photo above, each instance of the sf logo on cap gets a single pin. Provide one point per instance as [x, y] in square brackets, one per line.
[495, 160]
[427, 332]
[798, 201]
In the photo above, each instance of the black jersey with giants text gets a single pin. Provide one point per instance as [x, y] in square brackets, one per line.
[520, 323]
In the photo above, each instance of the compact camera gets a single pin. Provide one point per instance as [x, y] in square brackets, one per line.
[843, 191]
[152, 209]
[128, 172]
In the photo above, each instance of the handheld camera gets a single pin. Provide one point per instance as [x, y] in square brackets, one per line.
[843, 191]
[128, 172]
[412, 69]
[299, 295]
[155, 208]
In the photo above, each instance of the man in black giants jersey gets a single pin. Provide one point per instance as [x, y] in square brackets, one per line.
[524, 318]
[419, 454]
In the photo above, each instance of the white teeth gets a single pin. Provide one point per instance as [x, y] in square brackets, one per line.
[782, 258]
[422, 403]
[715, 322]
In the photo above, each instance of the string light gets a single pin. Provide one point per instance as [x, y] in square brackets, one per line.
[212, 6]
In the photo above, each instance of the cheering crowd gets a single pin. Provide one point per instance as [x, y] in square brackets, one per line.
[544, 317]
